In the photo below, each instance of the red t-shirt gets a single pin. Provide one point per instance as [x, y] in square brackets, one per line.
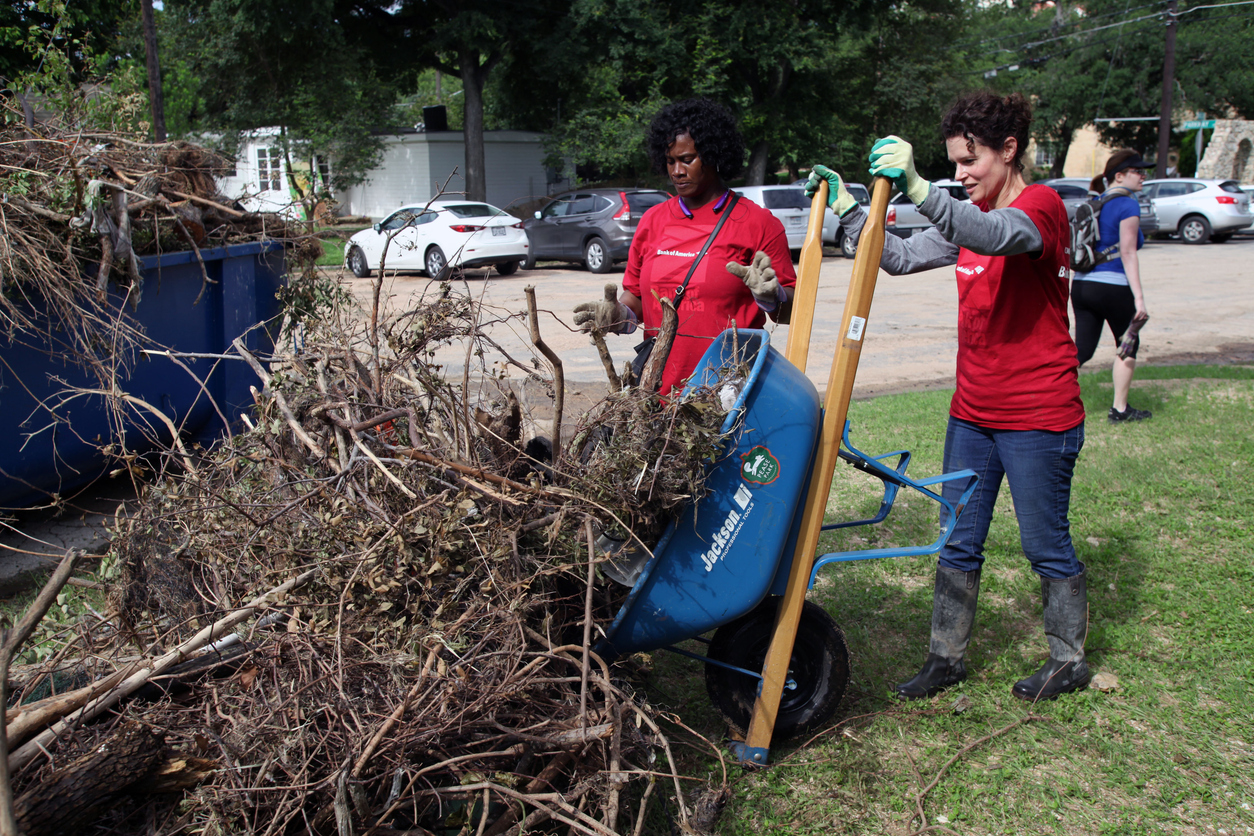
[662, 250]
[1017, 367]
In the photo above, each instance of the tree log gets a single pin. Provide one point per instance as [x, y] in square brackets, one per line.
[72, 797]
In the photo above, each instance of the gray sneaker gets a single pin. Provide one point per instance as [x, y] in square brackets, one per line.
[1129, 414]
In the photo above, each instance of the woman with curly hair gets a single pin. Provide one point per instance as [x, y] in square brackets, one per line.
[1016, 411]
[746, 274]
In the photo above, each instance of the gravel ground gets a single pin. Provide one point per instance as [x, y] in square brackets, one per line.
[1200, 300]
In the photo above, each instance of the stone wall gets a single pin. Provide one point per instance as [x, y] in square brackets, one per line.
[1229, 153]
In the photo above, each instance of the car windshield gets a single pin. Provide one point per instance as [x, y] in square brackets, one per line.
[1069, 191]
[1231, 186]
[473, 210]
[406, 217]
[785, 199]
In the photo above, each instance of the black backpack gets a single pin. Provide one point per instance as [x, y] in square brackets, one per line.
[1085, 233]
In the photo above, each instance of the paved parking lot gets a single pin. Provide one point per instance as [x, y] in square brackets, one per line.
[1200, 299]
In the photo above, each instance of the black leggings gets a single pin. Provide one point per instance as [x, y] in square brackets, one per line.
[1098, 302]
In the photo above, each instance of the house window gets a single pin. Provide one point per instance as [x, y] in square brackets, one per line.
[269, 169]
[324, 174]
[1044, 156]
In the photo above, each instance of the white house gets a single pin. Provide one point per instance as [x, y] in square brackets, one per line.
[415, 167]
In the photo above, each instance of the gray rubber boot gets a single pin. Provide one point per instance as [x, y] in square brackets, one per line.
[953, 616]
[1066, 624]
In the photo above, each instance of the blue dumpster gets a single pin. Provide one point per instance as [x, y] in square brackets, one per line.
[50, 449]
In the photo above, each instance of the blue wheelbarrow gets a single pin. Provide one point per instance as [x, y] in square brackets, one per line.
[739, 562]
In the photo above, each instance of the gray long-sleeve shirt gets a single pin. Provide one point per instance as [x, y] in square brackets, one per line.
[958, 224]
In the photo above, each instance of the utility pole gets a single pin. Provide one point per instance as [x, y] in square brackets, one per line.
[154, 71]
[1169, 80]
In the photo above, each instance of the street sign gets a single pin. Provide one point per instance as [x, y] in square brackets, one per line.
[1208, 125]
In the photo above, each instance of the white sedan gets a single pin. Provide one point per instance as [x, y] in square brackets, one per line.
[437, 237]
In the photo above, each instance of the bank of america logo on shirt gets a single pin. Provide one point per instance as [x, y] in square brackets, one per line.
[679, 253]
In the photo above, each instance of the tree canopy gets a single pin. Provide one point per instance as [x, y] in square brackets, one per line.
[810, 80]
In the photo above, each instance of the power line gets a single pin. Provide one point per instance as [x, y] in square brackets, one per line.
[1050, 27]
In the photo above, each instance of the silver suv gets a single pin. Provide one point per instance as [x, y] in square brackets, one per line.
[1199, 210]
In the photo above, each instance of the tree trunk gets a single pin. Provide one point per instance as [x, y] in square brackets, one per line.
[154, 72]
[1065, 135]
[474, 76]
[71, 798]
[755, 174]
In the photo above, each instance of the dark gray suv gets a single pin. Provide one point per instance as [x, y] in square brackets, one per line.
[593, 226]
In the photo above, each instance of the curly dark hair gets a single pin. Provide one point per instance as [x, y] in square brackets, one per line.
[712, 128]
[990, 119]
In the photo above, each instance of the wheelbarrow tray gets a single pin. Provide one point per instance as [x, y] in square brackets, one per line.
[719, 559]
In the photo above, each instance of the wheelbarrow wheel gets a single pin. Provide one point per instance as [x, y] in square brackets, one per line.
[818, 671]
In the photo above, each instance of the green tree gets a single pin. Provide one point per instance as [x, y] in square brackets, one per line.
[468, 39]
[325, 72]
[1104, 58]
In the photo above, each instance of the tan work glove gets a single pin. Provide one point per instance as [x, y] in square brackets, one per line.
[608, 314]
[759, 277]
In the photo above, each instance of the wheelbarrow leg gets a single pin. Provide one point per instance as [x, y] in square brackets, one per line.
[756, 747]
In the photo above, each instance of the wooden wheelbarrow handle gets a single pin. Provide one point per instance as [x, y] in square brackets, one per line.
[836, 409]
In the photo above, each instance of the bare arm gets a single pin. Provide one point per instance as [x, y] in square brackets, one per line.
[1128, 234]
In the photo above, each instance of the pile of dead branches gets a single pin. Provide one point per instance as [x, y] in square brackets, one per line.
[77, 211]
[374, 610]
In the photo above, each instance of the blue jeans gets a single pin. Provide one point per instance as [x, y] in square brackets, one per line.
[1038, 465]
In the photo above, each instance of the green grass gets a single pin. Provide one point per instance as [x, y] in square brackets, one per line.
[332, 253]
[1160, 514]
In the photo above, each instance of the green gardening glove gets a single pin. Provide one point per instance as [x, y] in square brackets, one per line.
[892, 157]
[838, 196]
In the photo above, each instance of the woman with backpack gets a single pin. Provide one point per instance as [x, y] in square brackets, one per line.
[1111, 291]
[1016, 412]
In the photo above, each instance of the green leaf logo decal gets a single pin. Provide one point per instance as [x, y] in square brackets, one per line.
[759, 466]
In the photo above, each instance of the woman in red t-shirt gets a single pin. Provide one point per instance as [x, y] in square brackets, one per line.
[1016, 410]
[746, 274]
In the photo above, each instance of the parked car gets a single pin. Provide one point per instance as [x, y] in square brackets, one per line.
[788, 203]
[904, 218]
[438, 236]
[1075, 190]
[832, 232]
[1249, 230]
[1072, 190]
[1200, 210]
[592, 226]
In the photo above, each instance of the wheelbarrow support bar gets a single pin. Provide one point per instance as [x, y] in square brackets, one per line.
[756, 747]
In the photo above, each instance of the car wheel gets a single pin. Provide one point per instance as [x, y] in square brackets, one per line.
[1195, 230]
[818, 671]
[1220, 237]
[528, 263]
[847, 247]
[357, 263]
[507, 268]
[436, 263]
[597, 256]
